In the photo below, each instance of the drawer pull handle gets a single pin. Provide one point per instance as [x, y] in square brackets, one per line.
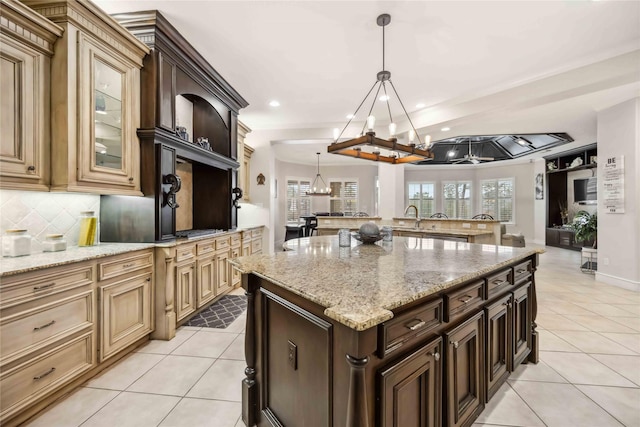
[43, 287]
[49, 372]
[455, 344]
[521, 271]
[465, 299]
[420, 323]
[127, 265]
[37, 328]
[186, 253]
[436, 355]
[499, 282]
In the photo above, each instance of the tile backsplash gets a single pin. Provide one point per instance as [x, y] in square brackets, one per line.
[43, 213]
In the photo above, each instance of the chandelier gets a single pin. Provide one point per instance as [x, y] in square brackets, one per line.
[319, 187]
[370, 147]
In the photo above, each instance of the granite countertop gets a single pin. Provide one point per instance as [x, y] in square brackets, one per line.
[360, 285]
[10, 266]
[443, 232]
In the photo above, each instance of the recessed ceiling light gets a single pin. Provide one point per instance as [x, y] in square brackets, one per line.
[274, 103]
[350, 116]
[384, 98]
[420, 105]
[451, 153]
[445, 129]
[521, 141]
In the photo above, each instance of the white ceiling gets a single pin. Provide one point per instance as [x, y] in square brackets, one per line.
[478, 66]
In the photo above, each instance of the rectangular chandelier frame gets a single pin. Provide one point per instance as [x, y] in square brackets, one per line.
[352, 148]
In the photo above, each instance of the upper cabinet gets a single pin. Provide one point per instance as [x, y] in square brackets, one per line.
[95, 101]
[26, 47]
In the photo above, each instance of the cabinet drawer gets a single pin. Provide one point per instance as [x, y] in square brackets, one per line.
[246, 235]
[117, 266]
[24, 287]
[464, 300]
[222, 243]
[206, 247]
[185, 252]
[406, 328]
[27, 330]
[256, 233]
[256, 246]
[522, 271]
[41, 375]
[498, 283]
[235, 239]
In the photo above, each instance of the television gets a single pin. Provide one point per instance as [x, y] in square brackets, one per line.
[585, 191]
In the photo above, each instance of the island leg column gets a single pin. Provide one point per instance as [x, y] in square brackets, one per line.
[249, 386]
[357, 414]
[534, 356]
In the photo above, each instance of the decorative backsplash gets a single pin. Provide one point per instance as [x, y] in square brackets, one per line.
[43, 213]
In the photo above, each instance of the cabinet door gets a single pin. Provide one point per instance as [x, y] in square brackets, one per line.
[109, 110]
[233, 273]
[521, 324]
[185, 290]
[24, 132]
[499, 343]
[206, 281]
[464, 371]
[125, 313]
[224, 282]
[410, 389]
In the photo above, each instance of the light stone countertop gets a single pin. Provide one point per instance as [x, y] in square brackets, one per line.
[10, 266]
[443, 232]
[360, 285]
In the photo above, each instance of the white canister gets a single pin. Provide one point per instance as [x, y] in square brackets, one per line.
[16, 243]
[54, 243]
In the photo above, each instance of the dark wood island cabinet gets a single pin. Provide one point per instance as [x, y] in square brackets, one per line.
[414, 332]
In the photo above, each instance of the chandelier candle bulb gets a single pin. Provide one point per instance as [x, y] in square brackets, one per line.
[371, 122]
[336, 134]
[412, 136]
[392, 129]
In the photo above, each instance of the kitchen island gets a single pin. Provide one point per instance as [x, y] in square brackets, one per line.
[410, 332]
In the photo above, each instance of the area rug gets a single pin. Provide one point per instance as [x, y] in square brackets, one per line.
[221, 313]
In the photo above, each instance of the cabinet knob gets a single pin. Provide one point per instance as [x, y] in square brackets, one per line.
[436, 356]
[31, 169]
[455, 344]
[130, 179]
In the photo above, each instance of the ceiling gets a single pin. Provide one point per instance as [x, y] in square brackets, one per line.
[479, 67]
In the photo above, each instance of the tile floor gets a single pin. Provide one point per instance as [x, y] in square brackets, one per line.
[589, 374]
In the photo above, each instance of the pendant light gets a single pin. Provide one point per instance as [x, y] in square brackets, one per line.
[319, 187]
[367, 146]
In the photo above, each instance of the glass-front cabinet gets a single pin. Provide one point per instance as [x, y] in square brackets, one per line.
[95, 101]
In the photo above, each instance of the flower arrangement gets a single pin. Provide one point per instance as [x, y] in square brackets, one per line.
[586, 227]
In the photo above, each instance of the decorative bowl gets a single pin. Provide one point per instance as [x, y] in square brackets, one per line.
[367, 239]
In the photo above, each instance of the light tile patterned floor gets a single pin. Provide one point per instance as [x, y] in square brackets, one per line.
[589, 374]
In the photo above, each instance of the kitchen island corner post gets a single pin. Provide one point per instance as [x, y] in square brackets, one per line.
[534, 356]
[357, 411]
[250, 284]
[165, 321]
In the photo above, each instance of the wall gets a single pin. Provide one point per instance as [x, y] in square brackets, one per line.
[619, 234]
[540, 206]
[43, 213]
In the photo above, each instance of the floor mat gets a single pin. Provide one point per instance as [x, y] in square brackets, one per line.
[221, 313]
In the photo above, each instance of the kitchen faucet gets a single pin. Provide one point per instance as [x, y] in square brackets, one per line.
[417, 217]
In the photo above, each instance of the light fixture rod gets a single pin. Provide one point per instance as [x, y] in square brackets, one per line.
[405, 111]
[354, 114]
[384, 87]
[372, 105]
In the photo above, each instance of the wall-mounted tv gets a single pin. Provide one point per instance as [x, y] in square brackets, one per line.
[585, 191]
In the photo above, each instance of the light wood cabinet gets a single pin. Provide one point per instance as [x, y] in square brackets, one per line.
[185, 290]
[95, 101]
[206, 280]
[236, 276]
[26, 47]
[223, 283]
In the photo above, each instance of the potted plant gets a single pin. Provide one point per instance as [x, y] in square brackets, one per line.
[586, 227]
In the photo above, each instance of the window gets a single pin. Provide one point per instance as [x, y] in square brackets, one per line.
[457, 199]
[497, 199]
[344, 196]
[298, 203]
[422, 195]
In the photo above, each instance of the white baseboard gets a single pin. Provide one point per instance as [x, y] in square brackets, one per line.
[618, 281]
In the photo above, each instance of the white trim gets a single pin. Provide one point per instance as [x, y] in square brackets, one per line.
[513, 197]
[618, 281]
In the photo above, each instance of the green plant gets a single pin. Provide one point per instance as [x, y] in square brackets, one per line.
[586, 226]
